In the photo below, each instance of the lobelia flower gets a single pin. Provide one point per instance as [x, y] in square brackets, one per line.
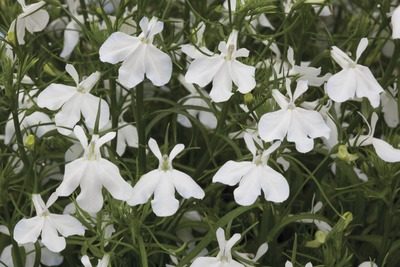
[354, 81]
[196, 98]
[53, 228]
[47, 257]
[390, 107]
[299, 125]
[91, 172]
[37, 122]
[140, 57]
[384, 150]
[254, 176]
[224, 257]
[104, 262]
[74, 101]
[396, 23]
[162, 182]
[222, 69]
[72, 28]
[32, 19]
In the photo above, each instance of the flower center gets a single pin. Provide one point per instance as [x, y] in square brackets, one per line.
[91, 152]
[165, 164]
[231, 49]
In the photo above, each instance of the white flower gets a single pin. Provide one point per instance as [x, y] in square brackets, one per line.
[222, 70]
[140, 57]
[38, 123]
[224, 257]
[72, 30]
[52, 227]
[367, 264]
[390, 107]
[354, 80]
[104, 262]
[91, 172]
[162, 182]
[384, 150]
[251, 258]
[74, 101]
[196, 98]
[47, 257]
[254, 176]
[299, 125]
[32, 19]
[396, 23]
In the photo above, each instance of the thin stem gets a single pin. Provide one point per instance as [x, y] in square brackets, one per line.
[141, 130]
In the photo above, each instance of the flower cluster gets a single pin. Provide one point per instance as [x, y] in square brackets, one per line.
[83, 114]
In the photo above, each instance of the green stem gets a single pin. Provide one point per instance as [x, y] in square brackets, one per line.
[142, 248]
[114, 112]
[141, 130]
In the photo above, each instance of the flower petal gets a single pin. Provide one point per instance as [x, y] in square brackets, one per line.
[164, 203]
[249, 188]
[69, 115]
[118, 47]
[221, 90]
[274, 125]
[185, 185]
[342, 86]
[231, 172]
[71, 39]
[132, 70]
[37, 21]
[274, 185]
[90, 109]
[28, 230]
[243, 76]
[73, 174]
[155, 149]
[90, 198]
[367, 85]
[144, 188]
[55, 95]
[112, 180]
[67, 225]
[385, 151]
[158, 66]
[202, 70]
[51, 239]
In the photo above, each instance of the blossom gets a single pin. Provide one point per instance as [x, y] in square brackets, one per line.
[140, 57]
[222, 70]
[33, 19]
[396, 23]
[37, 122]
[47, 257]
[390, 107]
[299, 125]
[196, 99]
[74, 101]
[162, 182]
[383, 149]
[254, 176]
[91, 172]
[354, 80]
[101, 263]
[53, 228]
[224, 257]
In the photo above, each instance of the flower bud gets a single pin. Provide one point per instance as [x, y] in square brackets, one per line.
[29, 142]
[344, 154]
